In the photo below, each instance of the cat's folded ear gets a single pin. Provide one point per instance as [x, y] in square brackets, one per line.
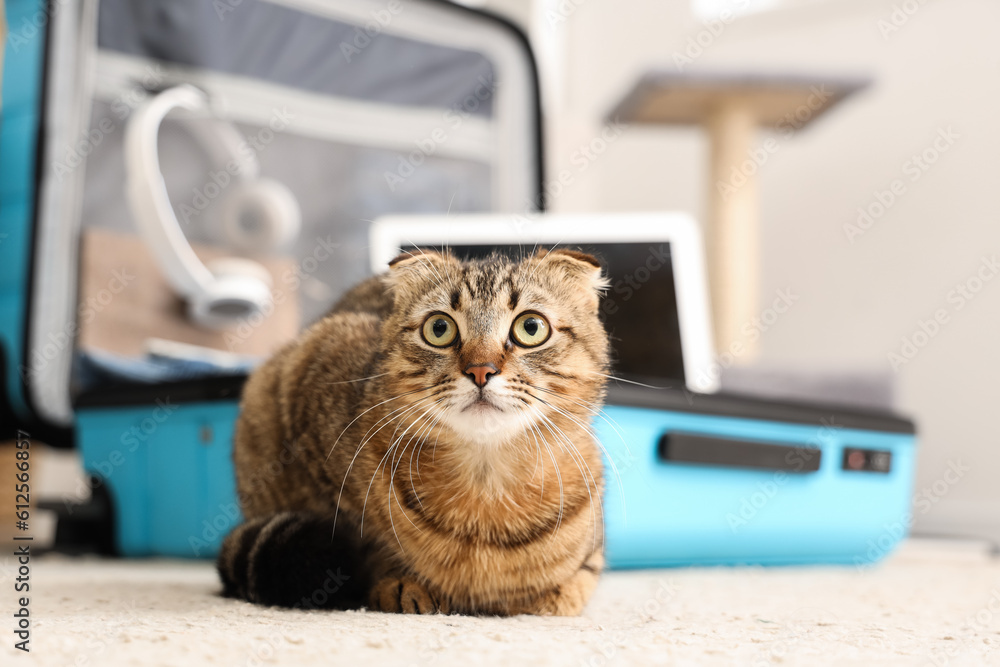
[418, 266]
[419, 255]
[578, 265]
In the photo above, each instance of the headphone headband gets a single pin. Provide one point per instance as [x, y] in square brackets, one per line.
[214, 300]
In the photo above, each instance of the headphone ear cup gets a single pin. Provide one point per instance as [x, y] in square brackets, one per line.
[260, 215]
[240, 292]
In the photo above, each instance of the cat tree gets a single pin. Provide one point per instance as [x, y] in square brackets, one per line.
[731, 107]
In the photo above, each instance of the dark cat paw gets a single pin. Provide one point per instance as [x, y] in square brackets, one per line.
[292, 560]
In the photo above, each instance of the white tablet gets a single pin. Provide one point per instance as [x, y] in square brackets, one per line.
[656, 310]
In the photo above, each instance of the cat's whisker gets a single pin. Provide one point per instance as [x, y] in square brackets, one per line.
[559, 479]
[579, 459]
[618, 379]
[558, 471]
[575, 454]
[539, 461]
[380, 403]
[587, 427]
[565, 438]
[392, 475]
[594, 408]
[387, 419]
[378, 467]
[364, 507]
[447, 246]
[597, 441]
[590, 406]
[392, 437]
[433, 451]
[417, 434]
[528, 429]
[370, 377]
[536, 433]
[598, 412]
[431, 430]
[534, 247]
[402, 412]
[437, 420]
[392, 485]
[418, 450]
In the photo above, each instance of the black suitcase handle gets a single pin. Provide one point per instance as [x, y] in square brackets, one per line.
[681, 447]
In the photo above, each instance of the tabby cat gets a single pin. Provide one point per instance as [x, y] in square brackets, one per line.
[426, 447]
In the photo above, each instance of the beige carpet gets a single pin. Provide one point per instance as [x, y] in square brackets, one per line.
[930, 603]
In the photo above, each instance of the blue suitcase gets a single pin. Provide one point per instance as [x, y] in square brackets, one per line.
[716, 479]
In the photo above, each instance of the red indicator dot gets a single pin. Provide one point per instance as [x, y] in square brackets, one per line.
[856, 460]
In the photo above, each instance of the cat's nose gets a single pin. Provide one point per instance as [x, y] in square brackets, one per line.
[480, 373]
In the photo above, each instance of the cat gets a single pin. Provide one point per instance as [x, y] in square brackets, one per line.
[426, 447]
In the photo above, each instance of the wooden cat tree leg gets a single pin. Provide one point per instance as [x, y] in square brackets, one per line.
[732, 228]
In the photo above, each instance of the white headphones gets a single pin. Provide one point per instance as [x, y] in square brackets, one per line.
[257, 214]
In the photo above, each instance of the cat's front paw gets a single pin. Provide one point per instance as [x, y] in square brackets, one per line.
[404, 595]
[570, 597]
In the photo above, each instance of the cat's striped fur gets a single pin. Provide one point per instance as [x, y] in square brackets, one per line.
[377, 470]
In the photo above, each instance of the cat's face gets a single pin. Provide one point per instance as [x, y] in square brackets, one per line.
[493, 348]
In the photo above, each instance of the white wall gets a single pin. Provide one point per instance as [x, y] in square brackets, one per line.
[940, 70]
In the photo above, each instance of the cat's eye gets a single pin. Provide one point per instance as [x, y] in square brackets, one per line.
[439, 330]
[530, 330]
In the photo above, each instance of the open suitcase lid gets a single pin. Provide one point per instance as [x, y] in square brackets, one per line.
[358, 108]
